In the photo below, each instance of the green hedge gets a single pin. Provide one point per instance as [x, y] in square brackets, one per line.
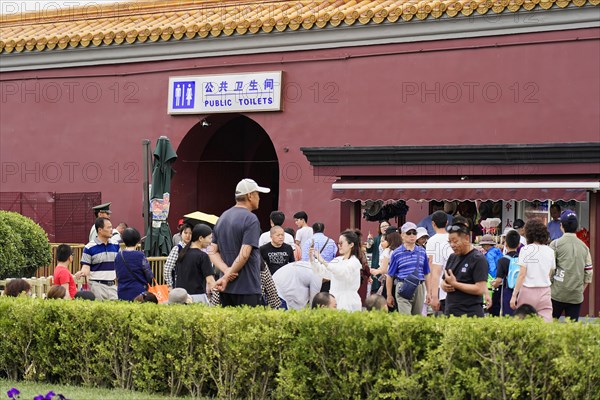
[258, 354]
[23, 246]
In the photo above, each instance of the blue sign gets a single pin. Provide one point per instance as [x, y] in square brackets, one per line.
[184, 94]
[251, 92]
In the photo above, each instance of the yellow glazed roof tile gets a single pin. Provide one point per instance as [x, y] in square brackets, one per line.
[128, 23]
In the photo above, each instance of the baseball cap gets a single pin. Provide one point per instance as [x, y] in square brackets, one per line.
[408, 226]
[568, 215]
[246, 186]
[518, 224]
[180, 222]
[421, 232]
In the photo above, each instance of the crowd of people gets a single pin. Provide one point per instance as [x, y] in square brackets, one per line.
[414, 270]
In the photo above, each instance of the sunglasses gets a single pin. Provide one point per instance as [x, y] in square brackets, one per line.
[457, 228]
[411, 233]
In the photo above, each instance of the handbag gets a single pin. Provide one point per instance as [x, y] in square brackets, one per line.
[160, 291]
[409, 286]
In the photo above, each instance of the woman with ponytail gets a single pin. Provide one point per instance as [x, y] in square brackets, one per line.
[193, 270]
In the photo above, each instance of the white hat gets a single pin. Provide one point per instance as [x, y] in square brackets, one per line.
[421, 232]
[179, 296]
[246, 186]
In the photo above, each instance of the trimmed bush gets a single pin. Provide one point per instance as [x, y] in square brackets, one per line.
[311, 354]
[11, 250]
[24, 249]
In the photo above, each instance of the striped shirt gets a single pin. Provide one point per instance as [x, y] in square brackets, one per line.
[101, 259]
[403, 262]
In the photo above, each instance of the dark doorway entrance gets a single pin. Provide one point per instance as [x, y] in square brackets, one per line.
[213, 160]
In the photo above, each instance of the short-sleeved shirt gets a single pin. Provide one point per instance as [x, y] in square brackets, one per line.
[539, 261]
[503, 265]
[236, 227]
[403, 262]
[439, 249]
[101, 259]
[62, 276]
[302, 235]
[192, 271]
[470, 268]
[276, 257]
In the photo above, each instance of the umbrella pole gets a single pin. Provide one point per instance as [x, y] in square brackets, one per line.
[146, 183]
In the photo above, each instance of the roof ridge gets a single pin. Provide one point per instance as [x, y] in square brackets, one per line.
[123, 9]
[162, 20]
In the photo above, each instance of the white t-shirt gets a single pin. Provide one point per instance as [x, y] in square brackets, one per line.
[303, 234]
[439, 249]
[539, 260]
[384, 253]
[266, 238]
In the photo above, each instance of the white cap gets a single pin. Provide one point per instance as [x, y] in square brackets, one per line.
[179, 296]
[421, 232]
[246, 186]
[407, 227]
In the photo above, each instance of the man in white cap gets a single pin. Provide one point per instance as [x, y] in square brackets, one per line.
[404, 261]
[235, 248]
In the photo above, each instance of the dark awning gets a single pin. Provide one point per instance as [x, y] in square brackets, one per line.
[488, 190]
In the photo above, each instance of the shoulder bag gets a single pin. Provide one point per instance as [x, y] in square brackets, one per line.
[409, 286]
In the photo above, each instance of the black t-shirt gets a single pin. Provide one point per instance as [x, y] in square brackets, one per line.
[276, 257]
[192, 271]
[502, 267]
[470, 268]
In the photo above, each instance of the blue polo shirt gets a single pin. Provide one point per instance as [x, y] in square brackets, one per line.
[403, 262]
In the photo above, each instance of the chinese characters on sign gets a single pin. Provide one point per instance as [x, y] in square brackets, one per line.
[225, 93]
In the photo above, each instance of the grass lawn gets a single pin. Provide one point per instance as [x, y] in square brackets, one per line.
[31, 389]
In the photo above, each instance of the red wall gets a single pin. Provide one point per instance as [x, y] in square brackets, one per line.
[80, 129]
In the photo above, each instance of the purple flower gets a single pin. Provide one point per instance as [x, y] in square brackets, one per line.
[13, 393]
[49, 395]
[38, 397]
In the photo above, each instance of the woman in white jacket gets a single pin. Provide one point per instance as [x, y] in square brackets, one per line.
[343, 271]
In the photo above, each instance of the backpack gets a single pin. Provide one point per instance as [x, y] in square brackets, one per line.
[513, 272]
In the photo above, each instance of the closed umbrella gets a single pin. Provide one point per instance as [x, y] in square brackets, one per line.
[158, 238]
